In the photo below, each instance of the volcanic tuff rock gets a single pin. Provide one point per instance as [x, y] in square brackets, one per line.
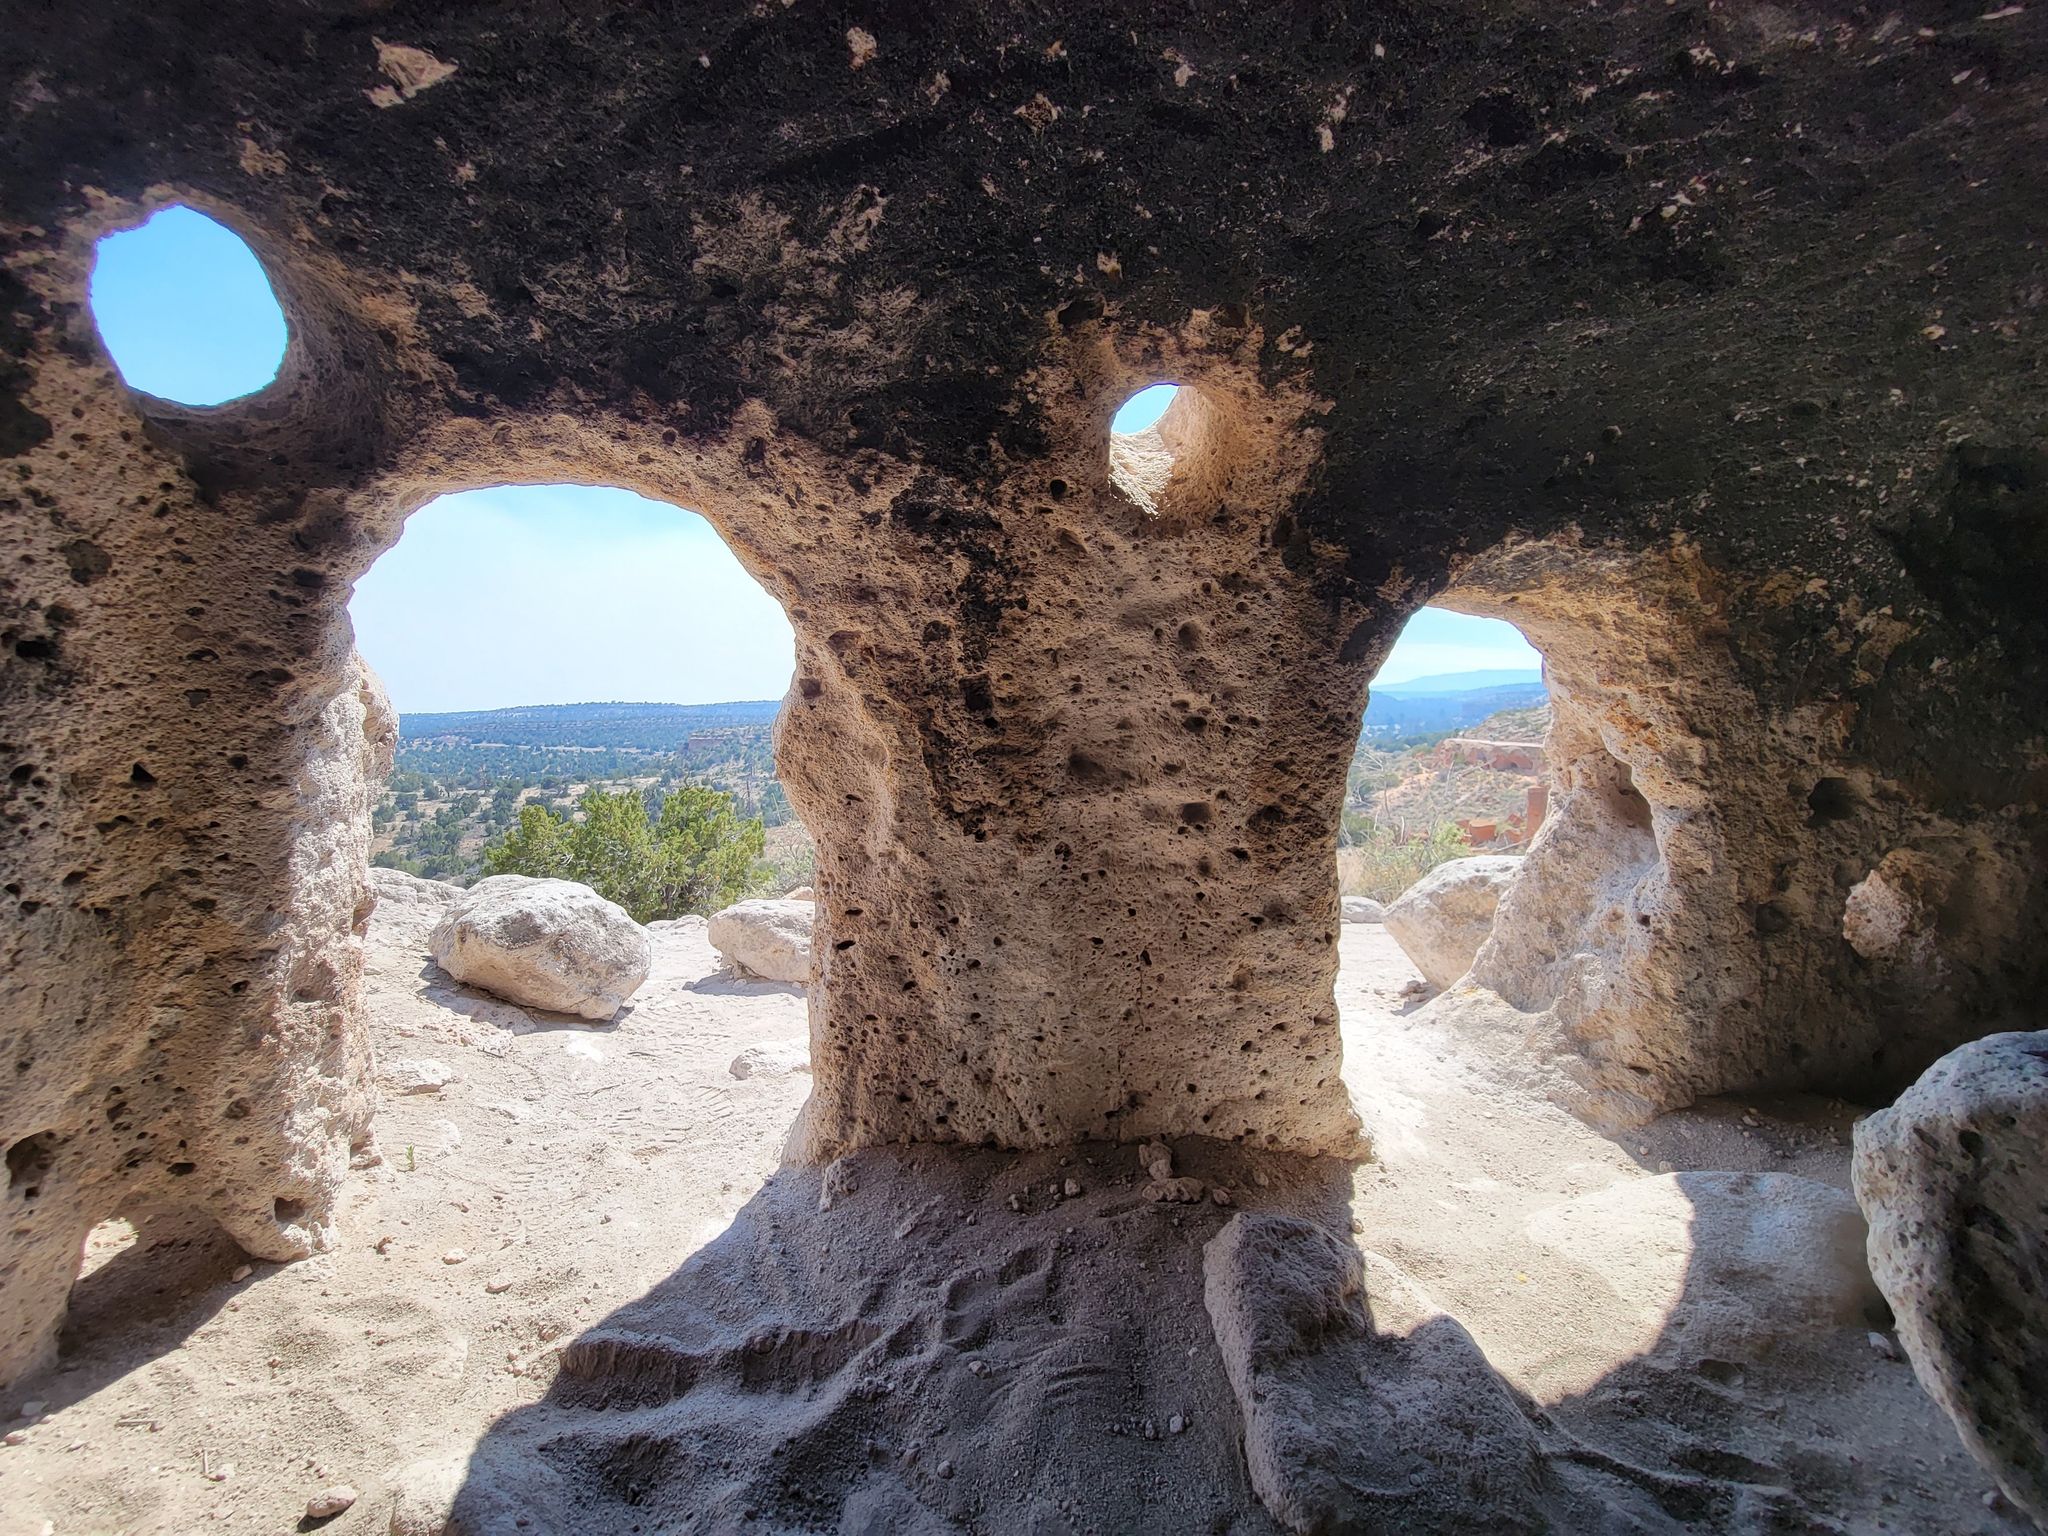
[1954, 1179]
[1505, 303]
[1443, 918]
[769, 939]
[549, 944]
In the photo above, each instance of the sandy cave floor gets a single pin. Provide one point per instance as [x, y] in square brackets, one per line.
[956, 1343]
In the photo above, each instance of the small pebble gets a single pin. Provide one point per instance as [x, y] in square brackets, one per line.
[221, 1473]
[330, 1501]
[1073, 1188]
[1883, 1347]
[33, 1408]
[1259, 1177]
[242, 1272]
[14, 1437]
[497, 1287]
[1176, 1425]
[454, 1256]
[945, 1469]
[978, 1367]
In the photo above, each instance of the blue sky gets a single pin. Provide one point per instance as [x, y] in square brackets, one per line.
[547, 594]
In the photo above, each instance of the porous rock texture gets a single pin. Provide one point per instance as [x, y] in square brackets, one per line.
[769, 939]
[1954, 1179]
[1443, 918]
[1552, 311]
[550, 944]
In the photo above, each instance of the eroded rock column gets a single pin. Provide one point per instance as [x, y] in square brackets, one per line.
[189, 741]
[1074, 770]
[1726, 895]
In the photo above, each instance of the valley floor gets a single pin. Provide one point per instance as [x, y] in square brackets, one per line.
[578, 1289]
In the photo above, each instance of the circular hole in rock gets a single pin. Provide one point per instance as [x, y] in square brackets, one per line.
[186, 310]
[1144, 441]
[1143, 409]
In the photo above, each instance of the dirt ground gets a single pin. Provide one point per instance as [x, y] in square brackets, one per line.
[577, 1289]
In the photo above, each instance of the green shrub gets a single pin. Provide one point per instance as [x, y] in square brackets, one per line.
[695, 856]
[1379, 863]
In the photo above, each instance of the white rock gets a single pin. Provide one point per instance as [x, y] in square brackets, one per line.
[330, 1501]
[1951, 1177]
[1344, 1409]
[454, 1256]
[688, 923]
[396, 890]
[770, 939]
[416, 1074]
[1363, 909]
[1443, 918]
[770, 1061]
[550, 944]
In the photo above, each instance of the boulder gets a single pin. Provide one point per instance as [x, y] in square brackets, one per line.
[1363, 909]
[550, 944]
[1443, 918]
[769, 939]
[1359, 1415]
[409, 907]
[1951, 1177]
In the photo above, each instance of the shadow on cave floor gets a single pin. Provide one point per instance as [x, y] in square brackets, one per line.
[957, 1345]
[954, 1345]
[470, 1002]
[154, 1291]
[732, 983]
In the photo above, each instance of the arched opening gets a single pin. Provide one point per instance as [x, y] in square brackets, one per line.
[186, 310]
[1450, 753]
[1152, 438]
[572, 668]
[578, 651]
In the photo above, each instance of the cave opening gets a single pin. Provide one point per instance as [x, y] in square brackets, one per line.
[186, 310]
[569, 648]
[1152, 437]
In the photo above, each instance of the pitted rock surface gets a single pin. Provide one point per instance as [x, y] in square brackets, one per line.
[1646, 329]
[1954, 1179]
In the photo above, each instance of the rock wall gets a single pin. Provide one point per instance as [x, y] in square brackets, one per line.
[1071, 733]
[1707, 909]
